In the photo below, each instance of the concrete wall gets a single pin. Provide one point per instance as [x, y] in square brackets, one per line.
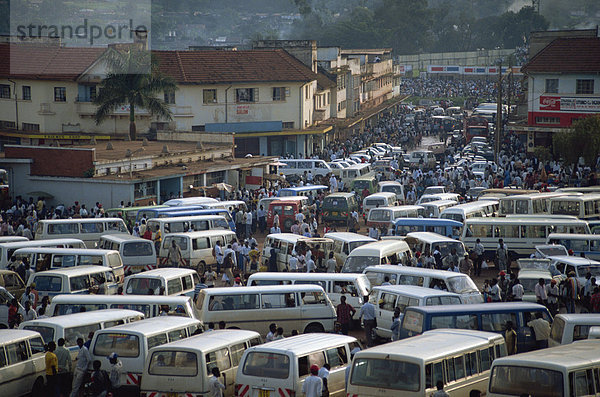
[468, 58]
[223, 138]
[54, 161]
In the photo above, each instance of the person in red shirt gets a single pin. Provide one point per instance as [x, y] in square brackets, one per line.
[595, 300]
[13, 309]
[344, 315]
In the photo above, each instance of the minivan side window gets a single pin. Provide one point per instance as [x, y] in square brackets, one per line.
[17, 352]
[337, 356]
[2, 357]
[497, 322]
[36, 345]
[80, 283]
[218, 358]
[237, 351]
[174, 286]
[305, 362]
[278, 301]
[187, 282]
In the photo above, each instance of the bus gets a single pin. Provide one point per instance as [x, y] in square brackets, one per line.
[475, 209]
[445, 227]
[308, 190]
[475, 126]
[7, 249]
[585, 206]
[460, 359]
[527, 204]
[197, 211]
[561, 371]
[88, 230]
[587, 245]
[188, 201]
[520, 234]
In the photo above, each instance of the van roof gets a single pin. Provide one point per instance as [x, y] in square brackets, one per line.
[210, 340]
[580, 318]
[381, 194]
[266, 288]
[120, 237]
[340, 194]
[11, 335]
[413, 271]
[543, 219]
[431, 237]
[427, 221]
[379, 245]
[432, 344]
[72, 271]
[306, 343]
[152, 325]
[82, 220]
[162, 272]
[413, 290]
[201, 233]
[291, 237]
[76, 319]
[83, 299]
[586, 236]
[348, 236]
[574, 260]
[304, 276]
[440, 202]
[562, 356]
[38, 243]
[385, 183]
[478, 307]
[182, 219]
[72, 251]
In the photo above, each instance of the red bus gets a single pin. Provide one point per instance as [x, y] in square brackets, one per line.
[475, 126]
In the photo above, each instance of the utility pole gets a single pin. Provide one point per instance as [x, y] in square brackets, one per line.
[498, 114]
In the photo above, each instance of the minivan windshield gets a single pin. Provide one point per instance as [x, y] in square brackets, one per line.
[356, 264]
[461, 285]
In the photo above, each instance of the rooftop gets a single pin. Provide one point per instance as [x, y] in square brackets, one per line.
[567, 55]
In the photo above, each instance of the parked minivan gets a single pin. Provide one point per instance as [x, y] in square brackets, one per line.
[75, 280]
[346, 242]
[298, 166]
[286, 210]
[389, 297]
[358, 171]
[567, 328]
[431, 278]
[338, 207]
[378, 200]
[184, 367]
[483, 317]
[305, 308]
[428, 241]
[386, 216]
[22, 359]
[581, 266]
[196, 247]
[281, 367]
[380, 252]
[137, 254]
[358, 185]
[285, 244]
[394, 187]
[165, 281]
[422, 159]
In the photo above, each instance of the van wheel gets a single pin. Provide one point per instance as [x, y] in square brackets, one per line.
[287, 224]
[3, 326]
[38, 388]
[313, 328]
[200, 268]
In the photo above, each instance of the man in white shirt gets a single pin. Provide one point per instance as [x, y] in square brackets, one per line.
[28, 313]
[294, 262]
[248, 223]
[84, 359]
[310, 266]
[331, 264]
[313, 385]
[215, 387]
[219, 256]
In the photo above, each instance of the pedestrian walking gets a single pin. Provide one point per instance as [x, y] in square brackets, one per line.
[345, 312]
[52, 370]
[367, 313]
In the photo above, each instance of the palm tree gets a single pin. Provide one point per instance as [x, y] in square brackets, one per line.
[133, 80]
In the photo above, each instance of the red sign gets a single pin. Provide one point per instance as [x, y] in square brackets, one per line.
[549, 103]
[253, 180]
[243, 109]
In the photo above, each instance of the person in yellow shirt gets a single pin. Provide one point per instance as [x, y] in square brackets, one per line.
[157, 238]
[52, 370]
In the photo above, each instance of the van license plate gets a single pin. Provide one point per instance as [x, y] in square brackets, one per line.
[171, 394]
[264, 393]
[334, 213]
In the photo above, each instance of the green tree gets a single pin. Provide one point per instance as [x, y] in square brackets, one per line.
[582, 140]
[134, 80]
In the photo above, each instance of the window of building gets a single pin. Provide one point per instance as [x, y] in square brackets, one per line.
[584, 86]
[307, 92]
[26, 93]
[287, 125]
[60, 94]
[246, 95]
[8, 124]
[328, 99]
[86, 93]
[547, 120]
[209, 96]
[279, 93]
[215, 177]
[198, 128]
[552, 86]
[31, 127]
[170, 97]
[144, 189]
[5, 91]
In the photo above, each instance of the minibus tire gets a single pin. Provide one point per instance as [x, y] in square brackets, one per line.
[3, 326]
[313, 328]
[201, 267]
[38, 388]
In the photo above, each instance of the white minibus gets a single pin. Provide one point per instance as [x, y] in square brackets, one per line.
[385, 216]
[196, 223]
[79, 325]
[188, 201]
[12, 239]
[344, 243]
[87, 229]
[433, 209]
[585, 206]
[137, 254]
[165, 281]
[298, 166]
[279, 368]
[132, 342]
[22, 363]
[426, 198]
[45, 258]
[184, 367]
[567, 328]
[527, 204]
[444, 280]
[75, 280]
[196, 247]
[560, 371]
[7, 249]
[5, 299]
[354, 286]
[520, 234]
[285, 244]
[460, 359]
[378, 253]
[388, 298]
[580, 266]
[228, 205]
[586, 244]
[393, 187]
[347, 175]
[305, 308]
[378, 200]
[475, 209]
[150, 306]
[428, 242]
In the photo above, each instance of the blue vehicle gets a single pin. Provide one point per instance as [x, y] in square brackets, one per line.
[302, 191]
[445, 227]
[208, 211]
[159, 210]
[490, 317]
